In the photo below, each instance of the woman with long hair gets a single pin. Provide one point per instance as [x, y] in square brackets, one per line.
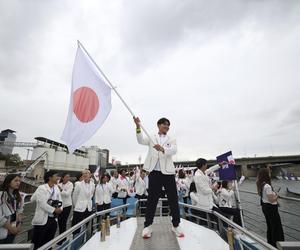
[11, 208]
[269, 207]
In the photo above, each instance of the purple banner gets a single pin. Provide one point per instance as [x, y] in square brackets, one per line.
[227, 171]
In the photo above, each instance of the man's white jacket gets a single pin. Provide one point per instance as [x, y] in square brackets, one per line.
[165, 159]
[204, 193]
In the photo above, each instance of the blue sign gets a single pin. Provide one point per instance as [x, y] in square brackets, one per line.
[227, 170]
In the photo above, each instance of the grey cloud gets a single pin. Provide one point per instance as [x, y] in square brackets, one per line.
[152, 29]
[22, 28]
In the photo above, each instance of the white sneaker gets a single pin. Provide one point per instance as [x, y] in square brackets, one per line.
[178, 231]
[147, 232]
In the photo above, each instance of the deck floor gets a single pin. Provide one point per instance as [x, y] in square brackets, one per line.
[162, 237]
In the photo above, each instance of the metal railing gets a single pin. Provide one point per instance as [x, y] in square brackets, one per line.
[208, 218]
[72, 236]
[71, 239]
[253, 216]
[223, 223]
[215, 221]
[16, 247]
[279, 195]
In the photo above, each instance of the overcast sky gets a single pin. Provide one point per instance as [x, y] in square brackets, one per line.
[226, 73]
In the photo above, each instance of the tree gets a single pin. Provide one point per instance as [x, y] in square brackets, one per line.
[13, 160]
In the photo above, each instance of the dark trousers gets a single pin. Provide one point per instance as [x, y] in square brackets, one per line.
[78, 217]
[274, 227]
[45, 233]
[63, 218]
[185, 200]
[157, 180]
[232, 211]
[103, 207]
[8, 240]
[200, 214]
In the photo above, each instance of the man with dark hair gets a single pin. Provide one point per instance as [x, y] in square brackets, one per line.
[48, 206]
[162, 174]
[206, 196]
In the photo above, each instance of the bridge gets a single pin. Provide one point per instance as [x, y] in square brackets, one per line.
[248, 166]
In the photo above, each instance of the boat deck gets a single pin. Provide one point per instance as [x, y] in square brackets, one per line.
[128, 236]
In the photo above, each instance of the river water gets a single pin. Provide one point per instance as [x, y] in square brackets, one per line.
[289, 210]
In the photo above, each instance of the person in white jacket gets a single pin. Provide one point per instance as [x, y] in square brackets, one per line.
[123, 186]
[82, 198]
[205, 193]
[11, 208]
[141, 188]
[161, 148]
[103, 193]
[225, 203]
[48, 206]
[66, 189]
[196, 202]
[114, 180]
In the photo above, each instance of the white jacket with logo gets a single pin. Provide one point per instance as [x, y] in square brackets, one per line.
[43, 209]
[153, 156]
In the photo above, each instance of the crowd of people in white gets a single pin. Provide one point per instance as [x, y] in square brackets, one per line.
[59, 196]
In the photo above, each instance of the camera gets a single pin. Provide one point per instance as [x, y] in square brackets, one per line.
[54, 203]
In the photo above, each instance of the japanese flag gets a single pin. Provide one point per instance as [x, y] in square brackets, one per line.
[90, 102]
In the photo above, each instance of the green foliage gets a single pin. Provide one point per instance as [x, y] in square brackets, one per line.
[13, 160]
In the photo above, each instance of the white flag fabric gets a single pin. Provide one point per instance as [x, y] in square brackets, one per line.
[90, 102]
[97, 173]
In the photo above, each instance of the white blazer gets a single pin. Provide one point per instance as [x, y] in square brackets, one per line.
[224, 198]
[103, 193]
[194, 199]
[43, 209]
[5, 212]
[82, 196]
[184, 186]
[140, 185]
[114, 182]
[165, 159]
[66, 193]
[204, 191]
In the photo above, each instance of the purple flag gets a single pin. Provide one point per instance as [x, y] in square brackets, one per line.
[227, 171]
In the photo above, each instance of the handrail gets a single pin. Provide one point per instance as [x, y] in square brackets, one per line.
[17, 246]
[77, 226]
[280, 196]
[228, 221]
[231, 223]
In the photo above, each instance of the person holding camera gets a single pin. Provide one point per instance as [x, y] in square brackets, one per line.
[48, 207]
[11, 209]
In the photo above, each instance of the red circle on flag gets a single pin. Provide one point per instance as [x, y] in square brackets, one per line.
[85, 104]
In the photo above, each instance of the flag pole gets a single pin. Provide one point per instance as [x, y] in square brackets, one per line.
[114, 89]
[239, 202]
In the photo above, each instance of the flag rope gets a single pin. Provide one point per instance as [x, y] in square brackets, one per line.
[114, 89]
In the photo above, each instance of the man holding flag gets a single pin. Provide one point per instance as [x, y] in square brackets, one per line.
[90, 104]
[162, 174]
